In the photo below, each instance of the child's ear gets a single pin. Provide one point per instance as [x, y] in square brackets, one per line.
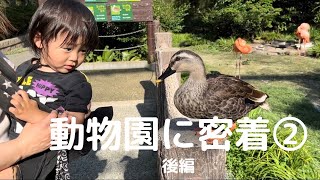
[37, 40]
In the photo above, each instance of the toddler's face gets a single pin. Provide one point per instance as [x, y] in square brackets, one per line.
[62, 58]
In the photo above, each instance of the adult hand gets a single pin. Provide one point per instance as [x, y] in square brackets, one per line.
[36, 137]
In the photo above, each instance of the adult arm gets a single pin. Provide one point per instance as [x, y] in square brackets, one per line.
[33, 139]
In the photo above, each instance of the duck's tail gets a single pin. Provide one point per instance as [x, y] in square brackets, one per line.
[258, 96]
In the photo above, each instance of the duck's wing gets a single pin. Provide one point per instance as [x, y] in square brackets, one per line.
[227, 87]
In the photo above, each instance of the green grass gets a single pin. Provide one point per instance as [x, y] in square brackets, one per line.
[184, 40]
[275, 162]
[293, 83]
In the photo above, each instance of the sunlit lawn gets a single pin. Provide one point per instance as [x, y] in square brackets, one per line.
[293, 84]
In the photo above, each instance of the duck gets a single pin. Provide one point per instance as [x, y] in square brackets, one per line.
[203, 96]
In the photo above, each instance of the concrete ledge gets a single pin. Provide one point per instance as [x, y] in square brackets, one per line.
[93, 66]
[19, 58]
[8, 44]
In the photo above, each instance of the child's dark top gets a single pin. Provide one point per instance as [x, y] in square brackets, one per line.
[69, 91]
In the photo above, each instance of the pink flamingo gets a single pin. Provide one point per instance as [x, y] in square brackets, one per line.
[240, 46]
[304, 36]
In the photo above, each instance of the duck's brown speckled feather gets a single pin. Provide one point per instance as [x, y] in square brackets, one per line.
[235, 97]
[225, 97]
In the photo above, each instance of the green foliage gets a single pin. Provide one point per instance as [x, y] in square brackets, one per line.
[295, 12]
[20, 15]
[225, 18]
[274, 163]
[131, 55]
[125, 41]
[316, 12]
[201, 44]
[239, 18]
[220, 45]
[183, 40]
[315, 50]
[269, 36]
[91, 57]
[109, 55]
[171, 17]
[315, 34]
[223, 44]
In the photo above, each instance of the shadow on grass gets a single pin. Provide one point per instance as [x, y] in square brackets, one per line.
[304, 108]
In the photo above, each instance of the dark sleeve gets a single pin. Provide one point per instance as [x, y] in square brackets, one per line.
[79, 97]
[23, 67]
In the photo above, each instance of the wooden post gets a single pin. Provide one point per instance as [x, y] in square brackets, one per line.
[150, 41]
[164, 52]
[209, 164]
[166, 90]
[163, 40]
[157, 27]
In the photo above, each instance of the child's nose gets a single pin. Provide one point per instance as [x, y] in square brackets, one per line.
[74, 56]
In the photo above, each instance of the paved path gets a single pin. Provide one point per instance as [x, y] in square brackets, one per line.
[120, 164]
[132, 94]
[19, 58]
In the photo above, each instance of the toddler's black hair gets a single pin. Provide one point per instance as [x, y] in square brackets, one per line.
[63, 16]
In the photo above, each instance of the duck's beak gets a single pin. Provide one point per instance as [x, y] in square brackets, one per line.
[168, 72]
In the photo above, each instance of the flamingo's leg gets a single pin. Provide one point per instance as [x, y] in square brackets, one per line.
[236, 71]
[299, 47]
[304, 47]
[240, 59]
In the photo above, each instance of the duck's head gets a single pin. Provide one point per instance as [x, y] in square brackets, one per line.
[182, 61]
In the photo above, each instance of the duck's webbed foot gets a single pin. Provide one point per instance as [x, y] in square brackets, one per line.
[209, 140]
[233, 127]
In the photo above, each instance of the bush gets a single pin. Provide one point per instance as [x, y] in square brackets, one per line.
[315, 50]
[184, 40]
[315, 34]
[223, 44]
[170, 16]
[294, 12]
[109, 55]
[118, 42]
[240, 18]
[20, 16]
[269, 36]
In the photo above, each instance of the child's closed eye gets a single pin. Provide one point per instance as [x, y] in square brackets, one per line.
[68, 49]
[83, 50]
